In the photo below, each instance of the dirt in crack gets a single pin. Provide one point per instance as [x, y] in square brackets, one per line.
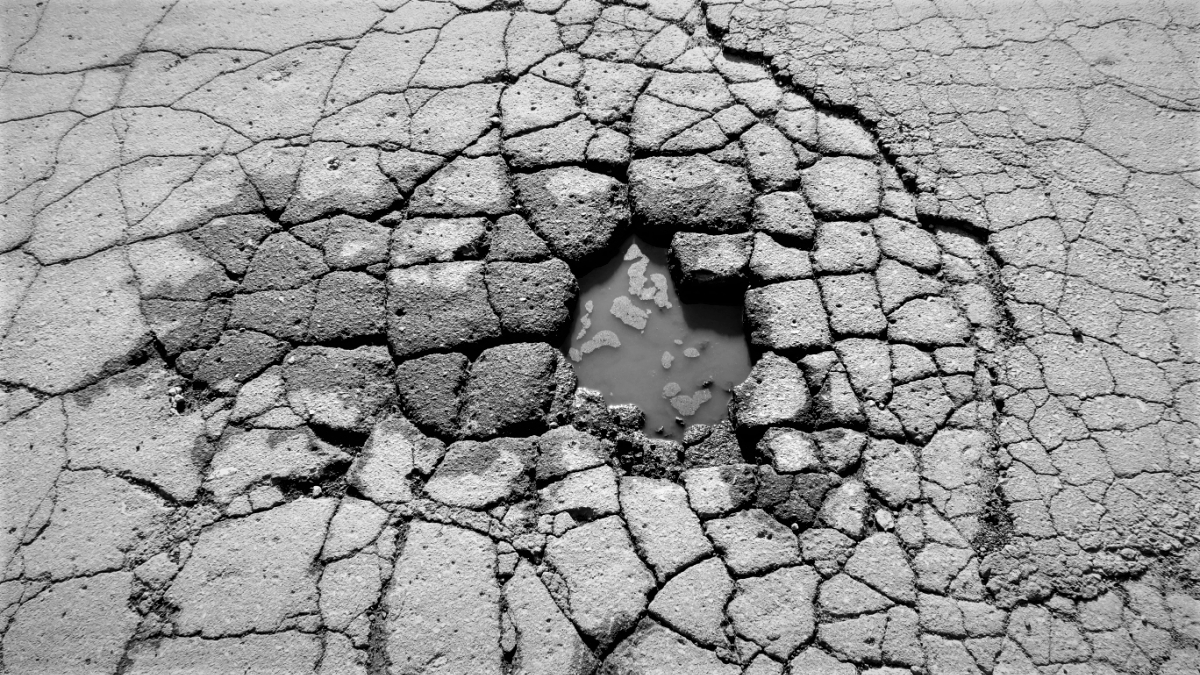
[634, 341]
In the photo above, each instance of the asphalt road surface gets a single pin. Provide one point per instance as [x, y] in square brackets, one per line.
[285, 289]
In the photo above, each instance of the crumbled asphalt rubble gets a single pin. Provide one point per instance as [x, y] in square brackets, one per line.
[281, 395]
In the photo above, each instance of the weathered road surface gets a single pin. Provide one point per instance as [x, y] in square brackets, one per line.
[280, 283]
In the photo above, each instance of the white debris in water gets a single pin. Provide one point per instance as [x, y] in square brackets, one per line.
[667, 358]
[605, 338]
[678, 342]
[575, 355]
[659, 295]
[671, 389]
[637, 279]
[688, 405]
[691, 353]
[629, 314]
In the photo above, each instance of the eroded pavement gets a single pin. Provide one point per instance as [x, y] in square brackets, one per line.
[281, 283]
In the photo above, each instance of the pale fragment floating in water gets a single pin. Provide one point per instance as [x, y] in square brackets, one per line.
[688, 405]
[659, 295]
[637, 279]
[691, 353]
[605, 338]
[667, 358]
[678, 342]
[575, 355]
[671, 389]
[629, 314]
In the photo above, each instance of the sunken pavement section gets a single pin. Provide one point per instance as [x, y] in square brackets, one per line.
[281, 284]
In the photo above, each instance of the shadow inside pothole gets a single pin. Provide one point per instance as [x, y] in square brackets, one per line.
[633, 340]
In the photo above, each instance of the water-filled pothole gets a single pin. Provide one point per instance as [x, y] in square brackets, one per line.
[634, 341]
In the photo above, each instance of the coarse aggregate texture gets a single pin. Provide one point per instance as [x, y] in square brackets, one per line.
[279, 285]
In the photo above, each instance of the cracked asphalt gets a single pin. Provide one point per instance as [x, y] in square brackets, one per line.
[282, 285]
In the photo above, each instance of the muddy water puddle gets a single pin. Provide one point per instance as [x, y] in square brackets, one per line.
[634, 341]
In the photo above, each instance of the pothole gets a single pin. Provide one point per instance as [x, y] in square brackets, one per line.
[635, 341]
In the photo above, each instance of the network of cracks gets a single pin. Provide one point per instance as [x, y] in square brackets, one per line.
[362, 449]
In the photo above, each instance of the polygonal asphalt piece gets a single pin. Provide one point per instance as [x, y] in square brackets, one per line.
[717, 490]
[318, 381]
[510, 390]
[585, 495]
[712, 267]
[775, 610]
[348, 306]
[70, 546]
[845, 508]
[783, 214]
[566, 449]
[230, 588]
[890, 470]
[774, 392]
[655, 649]
[772, 262]
[438, 306]
[789, 450]
[465, 187]
[40, 348]
[843, 247]
[237, 357]
[838, 187]
[907, 243]
[607, 583]
[546, 640]
[73, 627]
[283, 262]
[693, 193]
[356, 524]
[245, 458]
[928, 322]
[787, 315]
[280, 314]
[444, 612]
[693, 602]
[753, 542]
[129, 427]
[666, 532]
[429, 389]
[711, 445]
[843, 596]
[838, 135]
[418, 241]
[879, 562]
[336, 178]
[853, 305]
[577, 212]
[512, 240]
[477, 475]
[393, 450]
[533, 300]
[348, 587]
[772, 162]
